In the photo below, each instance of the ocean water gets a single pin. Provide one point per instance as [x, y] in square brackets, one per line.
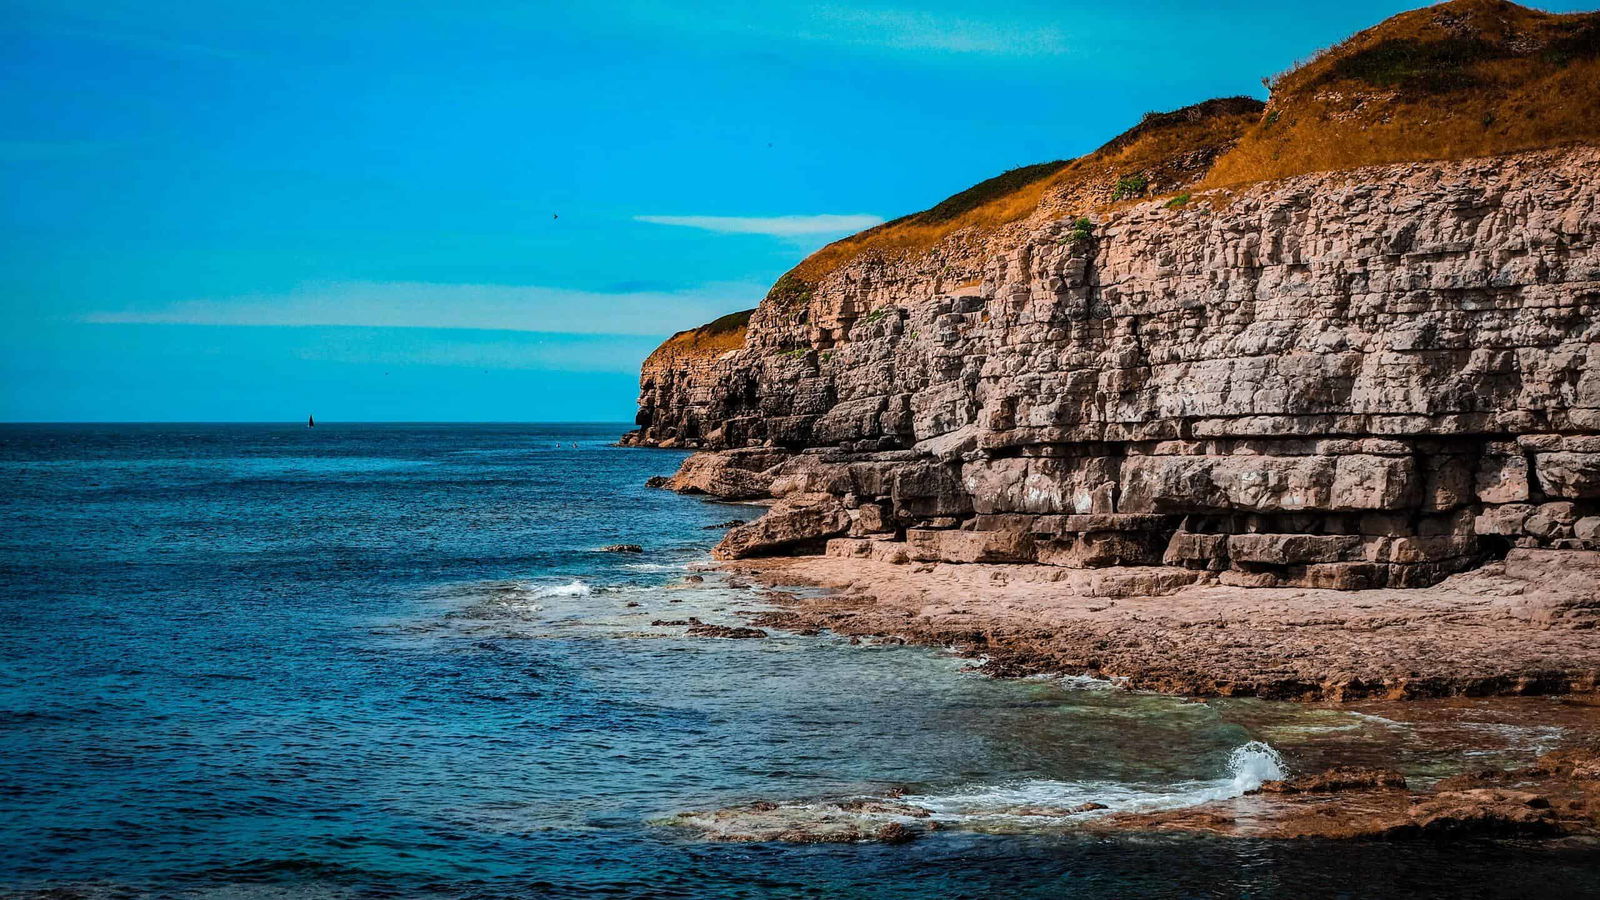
[390, 661]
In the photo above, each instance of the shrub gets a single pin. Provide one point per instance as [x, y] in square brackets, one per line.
[790, 291]
[1082, 230]
[1180, 201]
[1130, 186]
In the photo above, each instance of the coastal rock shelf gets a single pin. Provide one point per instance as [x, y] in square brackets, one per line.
[1358, 377]
[1372, 379]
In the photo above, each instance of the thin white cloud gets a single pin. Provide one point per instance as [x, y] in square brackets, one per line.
[475, 306]
[915, 29]
[963, 29]
[776, 226]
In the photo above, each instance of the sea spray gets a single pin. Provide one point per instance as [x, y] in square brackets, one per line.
[1025, 802]
[1253, 763]
[574, 588]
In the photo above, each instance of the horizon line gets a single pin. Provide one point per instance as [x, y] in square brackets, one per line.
[5, 422]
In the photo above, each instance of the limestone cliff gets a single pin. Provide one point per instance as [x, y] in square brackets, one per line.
[1190, 350]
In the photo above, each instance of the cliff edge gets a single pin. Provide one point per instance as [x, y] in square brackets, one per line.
[1348, 338]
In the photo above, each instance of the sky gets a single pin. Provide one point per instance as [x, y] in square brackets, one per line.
[480, 210]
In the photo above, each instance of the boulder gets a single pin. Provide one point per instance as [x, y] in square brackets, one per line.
[729, 475]
[1587, 529]
[797, 522]
[1288, 549]
[1573, 476]
[984, 546]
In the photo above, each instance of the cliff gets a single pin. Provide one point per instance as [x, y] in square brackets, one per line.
[1346, 339]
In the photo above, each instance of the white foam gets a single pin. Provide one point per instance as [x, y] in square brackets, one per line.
[1086, 683]
[574, 588]
[1248, 766]
[654, 567]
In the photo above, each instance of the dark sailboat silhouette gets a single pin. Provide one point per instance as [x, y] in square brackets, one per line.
[311, 421]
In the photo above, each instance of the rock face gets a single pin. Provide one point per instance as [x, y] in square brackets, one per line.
[1364, 379]
[1373, 377]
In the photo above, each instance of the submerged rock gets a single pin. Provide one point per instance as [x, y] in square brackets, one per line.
[1559, 795]
[851, 821]
[734, 632]
[1336, 780]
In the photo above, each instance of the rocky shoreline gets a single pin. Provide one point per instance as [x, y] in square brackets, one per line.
[1557, 797]
[1476, 634]
[1462, 709]
[1327, 433]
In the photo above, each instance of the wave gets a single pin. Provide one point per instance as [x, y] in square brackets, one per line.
[574, 588]
[1086, 683]
[1040, 800]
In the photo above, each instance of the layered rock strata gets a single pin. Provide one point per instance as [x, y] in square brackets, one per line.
[1361, 379]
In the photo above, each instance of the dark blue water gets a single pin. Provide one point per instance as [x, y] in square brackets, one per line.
[389, 661]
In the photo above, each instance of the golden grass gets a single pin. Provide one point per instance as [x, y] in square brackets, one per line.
[1463, 79]
[712, 339]
[1460, 79]
[1171, 150]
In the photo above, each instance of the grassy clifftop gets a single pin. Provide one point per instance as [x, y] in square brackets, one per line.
[712, 339]
[1460, 79]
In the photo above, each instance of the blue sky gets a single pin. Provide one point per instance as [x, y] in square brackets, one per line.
[493, 210]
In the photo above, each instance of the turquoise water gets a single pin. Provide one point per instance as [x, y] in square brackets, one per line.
[389, 661]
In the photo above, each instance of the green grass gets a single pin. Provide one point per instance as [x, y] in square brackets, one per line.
[1082, 230]
[1130, 186]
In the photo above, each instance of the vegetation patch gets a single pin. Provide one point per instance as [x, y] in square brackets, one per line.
[1130, 186]
[727, 324]
[1452, 81]
[791, 291]
[1455, 80]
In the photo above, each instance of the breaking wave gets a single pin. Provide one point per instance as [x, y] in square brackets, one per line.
[574, 588]
[1039, 800]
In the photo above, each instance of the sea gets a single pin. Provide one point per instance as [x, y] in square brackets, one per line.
[395, 660]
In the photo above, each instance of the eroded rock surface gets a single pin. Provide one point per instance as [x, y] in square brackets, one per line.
[1504, 629]
[1351, 380]
[1557, 796]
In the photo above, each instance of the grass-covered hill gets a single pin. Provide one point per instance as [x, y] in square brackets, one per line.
[1456, 80]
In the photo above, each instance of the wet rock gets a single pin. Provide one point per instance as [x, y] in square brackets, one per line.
[877, 806]
[1482, 812]
[814, 823]
[1338, 780]
[894, 833]
[622, 548]
[1057, 812]
[732, 632]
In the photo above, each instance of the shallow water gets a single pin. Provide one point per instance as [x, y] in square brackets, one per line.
[389, 660]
